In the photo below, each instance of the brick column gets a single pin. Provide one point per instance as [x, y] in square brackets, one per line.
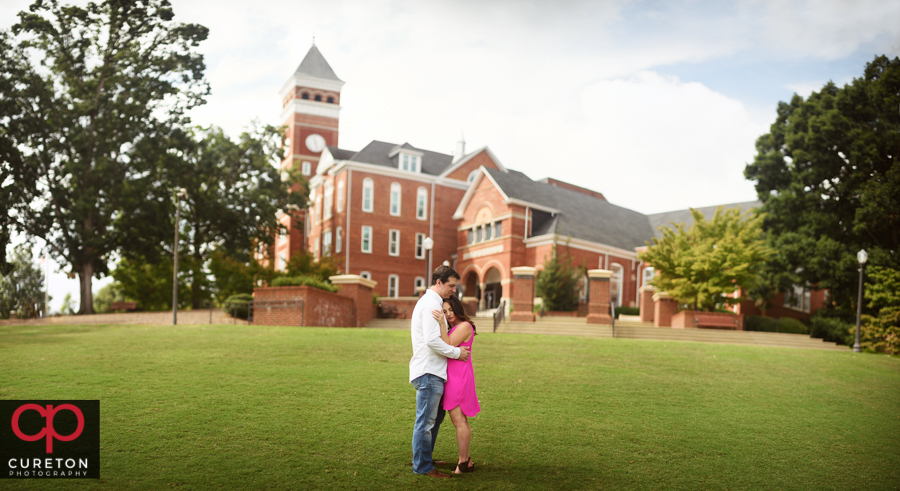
[523, 294]
[646, 303]
[359, 290]
[598, 303]
[664, 307]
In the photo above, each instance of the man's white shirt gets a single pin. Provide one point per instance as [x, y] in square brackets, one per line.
[430, 352]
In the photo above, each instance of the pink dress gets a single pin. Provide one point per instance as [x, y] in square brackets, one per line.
[460, 387]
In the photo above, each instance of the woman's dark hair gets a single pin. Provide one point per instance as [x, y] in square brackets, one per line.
[459, 311]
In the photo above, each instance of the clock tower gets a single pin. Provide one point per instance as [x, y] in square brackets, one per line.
[311, 106]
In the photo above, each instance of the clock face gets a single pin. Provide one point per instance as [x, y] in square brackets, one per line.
[315, 143]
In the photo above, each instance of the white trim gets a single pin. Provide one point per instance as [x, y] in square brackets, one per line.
[312, 108]
[367, 276]
[416, 247]
[392, 242]
[469, 157]
[421, 190]
[362, 239]
[399, 199]
[337, 239]
[535, 206]
[459, 214]
[339, 204]
[401, 149]
[496, 218]
[581, 244]
[398, 174]
[310, 82]
[396, 286]
[371, 208]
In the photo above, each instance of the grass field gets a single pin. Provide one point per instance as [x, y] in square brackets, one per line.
[234, 407]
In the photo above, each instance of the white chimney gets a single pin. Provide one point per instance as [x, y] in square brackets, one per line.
[460, 148]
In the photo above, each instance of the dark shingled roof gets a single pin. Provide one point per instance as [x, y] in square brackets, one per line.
[340, 153]
[314, 64]
[581, 216]
[376, 153]
[684, 216]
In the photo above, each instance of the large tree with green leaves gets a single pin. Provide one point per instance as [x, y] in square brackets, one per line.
[829, 179]
[699, 266]
[105, 80]
[234, 195]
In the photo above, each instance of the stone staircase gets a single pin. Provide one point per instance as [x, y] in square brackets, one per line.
[567, 326]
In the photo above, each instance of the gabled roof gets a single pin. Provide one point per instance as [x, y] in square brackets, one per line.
[314, 65]
[580, 216]
[377, 153]
[340, 153]
[684, 216]
[459, 163]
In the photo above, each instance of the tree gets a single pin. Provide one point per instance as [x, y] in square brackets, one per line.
[701, 265]
[22, 289]
[234, 194]
[112, 78]
[108, 295]
[881, 331]
[557, 283]
[149, 283]
[828, 177]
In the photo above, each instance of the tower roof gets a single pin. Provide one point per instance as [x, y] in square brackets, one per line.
[314, 65]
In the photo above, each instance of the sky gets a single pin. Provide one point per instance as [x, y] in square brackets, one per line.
[657, 105]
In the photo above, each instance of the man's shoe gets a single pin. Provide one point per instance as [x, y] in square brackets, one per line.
[437, 473]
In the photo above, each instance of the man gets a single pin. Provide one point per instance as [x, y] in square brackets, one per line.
[428, 368]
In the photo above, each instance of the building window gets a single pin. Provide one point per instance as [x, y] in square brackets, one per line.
[318, 209]
[498, 230]
[472, 176]
[326, 242]
[340, 196]
[797, 298]
[420, 282]
[318, 98]
[304, 96]
[648, 275]
[368, 191]
[282, 235]
[306, 168]
[337, 240]
[365, 274]
[615, 285]
[329, 198]
[393, 281]
[330, 100]
[282, 261]
[478, 234]
[421, 203]
[409, 162]
[395, 199]
[420, 246]
[471, 238]
[488, 232]
[394, 242]
[366, 239]
[316, 249]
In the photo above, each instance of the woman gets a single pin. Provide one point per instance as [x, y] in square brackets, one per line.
[459, 391]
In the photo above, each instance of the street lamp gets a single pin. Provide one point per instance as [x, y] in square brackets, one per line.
[181, 193]
[428, 244]
[862, 257]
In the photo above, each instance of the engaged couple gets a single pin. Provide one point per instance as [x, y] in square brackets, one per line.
[441, 372]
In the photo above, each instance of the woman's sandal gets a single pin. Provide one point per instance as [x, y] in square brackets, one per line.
[469, 467]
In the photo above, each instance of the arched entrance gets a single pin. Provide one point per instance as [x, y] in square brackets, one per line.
[493, 290]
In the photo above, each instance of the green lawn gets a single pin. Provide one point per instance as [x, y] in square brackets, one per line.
[223, 407]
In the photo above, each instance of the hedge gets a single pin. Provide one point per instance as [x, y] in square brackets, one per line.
[304, 281]
[768, 324]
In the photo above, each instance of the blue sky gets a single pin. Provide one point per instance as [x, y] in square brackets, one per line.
[655, 104]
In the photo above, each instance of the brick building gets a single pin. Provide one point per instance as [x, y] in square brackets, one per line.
[375, 207]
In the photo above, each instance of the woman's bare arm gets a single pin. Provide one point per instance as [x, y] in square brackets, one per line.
[439, 316]
[460, 334]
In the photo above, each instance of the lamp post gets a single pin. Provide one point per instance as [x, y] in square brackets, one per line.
[428, 244]
[862, 257]
[181, 193]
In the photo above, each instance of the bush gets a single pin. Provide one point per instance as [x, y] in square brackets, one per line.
[237, 305]
[375, 299]
[303, 280]
[768, 324]
[627, 311]
[832, 329]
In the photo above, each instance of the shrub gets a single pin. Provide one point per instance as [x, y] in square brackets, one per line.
[768, 324]
[832, 329]
[303, 280]
[375, 299]
[237, 305]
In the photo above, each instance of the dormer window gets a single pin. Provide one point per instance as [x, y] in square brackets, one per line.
[409, 162]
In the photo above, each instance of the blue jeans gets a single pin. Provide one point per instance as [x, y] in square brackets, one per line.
[429, 415]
